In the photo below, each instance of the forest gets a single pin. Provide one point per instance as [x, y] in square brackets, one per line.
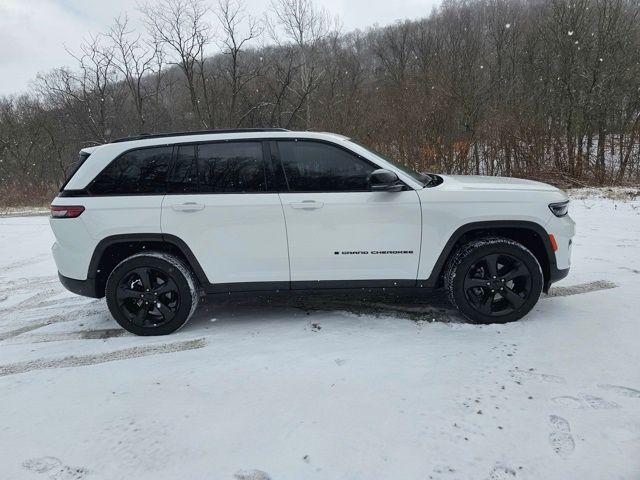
[540, 89]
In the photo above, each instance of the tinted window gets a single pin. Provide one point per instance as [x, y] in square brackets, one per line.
[138, 171]
[73, 168]
[319, 167]
[231, 167]
[184, 175]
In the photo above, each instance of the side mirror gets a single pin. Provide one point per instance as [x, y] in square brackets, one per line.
[382, 180]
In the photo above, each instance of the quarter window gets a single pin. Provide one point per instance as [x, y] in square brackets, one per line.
[135, 172]
[319, 167]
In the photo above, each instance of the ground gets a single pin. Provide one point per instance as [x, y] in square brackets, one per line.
[256, 389]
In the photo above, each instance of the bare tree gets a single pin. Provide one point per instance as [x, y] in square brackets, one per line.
[181, 27]
[239, 29]
[544, 89]
[300, 22]
[138, 61]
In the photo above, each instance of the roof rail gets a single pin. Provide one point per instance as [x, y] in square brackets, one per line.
[144, 136]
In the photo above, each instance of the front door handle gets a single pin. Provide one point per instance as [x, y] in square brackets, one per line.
[188, 207]
[307, 205]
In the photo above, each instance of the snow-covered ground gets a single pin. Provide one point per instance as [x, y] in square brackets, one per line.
[340, 389]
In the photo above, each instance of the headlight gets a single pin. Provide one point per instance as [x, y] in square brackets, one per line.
[559, 209]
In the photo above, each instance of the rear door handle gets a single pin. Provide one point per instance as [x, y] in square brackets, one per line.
[307, 205]
[188, 207]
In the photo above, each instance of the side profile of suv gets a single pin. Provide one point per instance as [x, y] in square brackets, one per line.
[154, 222]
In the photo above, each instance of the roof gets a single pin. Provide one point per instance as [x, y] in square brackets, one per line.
[144, 136]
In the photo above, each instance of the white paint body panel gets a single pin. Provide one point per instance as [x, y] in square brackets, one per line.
[351, 224]
[461, 200]
[235, 237]
[76, 238]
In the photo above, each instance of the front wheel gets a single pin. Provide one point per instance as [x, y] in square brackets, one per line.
[151, 293]
[494, 280]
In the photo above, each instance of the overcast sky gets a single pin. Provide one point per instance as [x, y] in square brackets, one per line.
[34, 33]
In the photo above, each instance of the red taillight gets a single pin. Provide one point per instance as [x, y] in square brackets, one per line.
[66, 211]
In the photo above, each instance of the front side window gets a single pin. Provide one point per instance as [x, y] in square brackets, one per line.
[136, 172]
[320, 167]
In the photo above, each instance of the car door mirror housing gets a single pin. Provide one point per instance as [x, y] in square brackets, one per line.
[382, 180]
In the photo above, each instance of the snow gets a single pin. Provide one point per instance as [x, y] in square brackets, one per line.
[336, 389]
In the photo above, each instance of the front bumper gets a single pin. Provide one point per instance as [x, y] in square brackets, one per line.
[86, 288]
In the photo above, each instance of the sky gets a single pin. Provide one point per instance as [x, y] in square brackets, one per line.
[34, 34]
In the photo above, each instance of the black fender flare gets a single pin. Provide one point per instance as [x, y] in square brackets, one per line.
[467, 228]
[176, 242]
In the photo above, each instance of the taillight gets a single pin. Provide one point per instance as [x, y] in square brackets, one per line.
[66, 211]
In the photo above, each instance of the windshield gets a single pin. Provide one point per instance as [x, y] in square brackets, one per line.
[423, 178]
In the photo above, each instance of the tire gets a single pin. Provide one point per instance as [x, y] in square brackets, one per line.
[151, 293]
[493, 280]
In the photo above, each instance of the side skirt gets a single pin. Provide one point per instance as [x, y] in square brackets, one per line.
[342, 286]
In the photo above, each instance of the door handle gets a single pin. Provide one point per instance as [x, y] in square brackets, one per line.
[307, 205]
[188, 207]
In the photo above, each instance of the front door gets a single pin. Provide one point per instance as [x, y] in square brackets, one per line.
[339, 232]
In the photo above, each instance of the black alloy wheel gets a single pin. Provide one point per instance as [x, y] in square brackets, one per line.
[493, 280]
[148, 297]
[497, 284]
[151, 293]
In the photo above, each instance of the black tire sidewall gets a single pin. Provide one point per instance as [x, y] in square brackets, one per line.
[457, 292]
[184, 290]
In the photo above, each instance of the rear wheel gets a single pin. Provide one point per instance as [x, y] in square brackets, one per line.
[494, 280]
[151, 293]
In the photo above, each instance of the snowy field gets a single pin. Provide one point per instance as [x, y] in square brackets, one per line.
[299, 389]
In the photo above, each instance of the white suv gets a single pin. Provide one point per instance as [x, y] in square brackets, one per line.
[153, 222]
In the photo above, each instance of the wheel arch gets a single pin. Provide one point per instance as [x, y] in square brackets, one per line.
[113, 249]
[530, 234]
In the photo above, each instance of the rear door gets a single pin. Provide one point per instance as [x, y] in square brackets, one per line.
[339, 232]
[218, 202]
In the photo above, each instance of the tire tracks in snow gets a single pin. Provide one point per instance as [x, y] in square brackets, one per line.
[21, 330]
[85, 360]
[580, 288]
[26, 262]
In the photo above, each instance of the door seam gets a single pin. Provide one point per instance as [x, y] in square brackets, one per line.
[421, 233]
[286, 234]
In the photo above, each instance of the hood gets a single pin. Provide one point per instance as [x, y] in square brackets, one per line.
[477, 182]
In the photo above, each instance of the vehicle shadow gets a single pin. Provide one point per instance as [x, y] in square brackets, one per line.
[432, 307]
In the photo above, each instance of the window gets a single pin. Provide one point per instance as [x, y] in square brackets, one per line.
[319, 167]
[71, 170]
[184, 175]
[423, 178]
[231, 167]
[135, 172]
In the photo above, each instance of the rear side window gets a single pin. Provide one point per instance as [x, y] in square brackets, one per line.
[231, 167]
[319, 167]
[225, 167]
[135, 172]
[184, 177]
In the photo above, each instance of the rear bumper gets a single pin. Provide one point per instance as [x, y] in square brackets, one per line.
[555, 275]
[86, 288]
